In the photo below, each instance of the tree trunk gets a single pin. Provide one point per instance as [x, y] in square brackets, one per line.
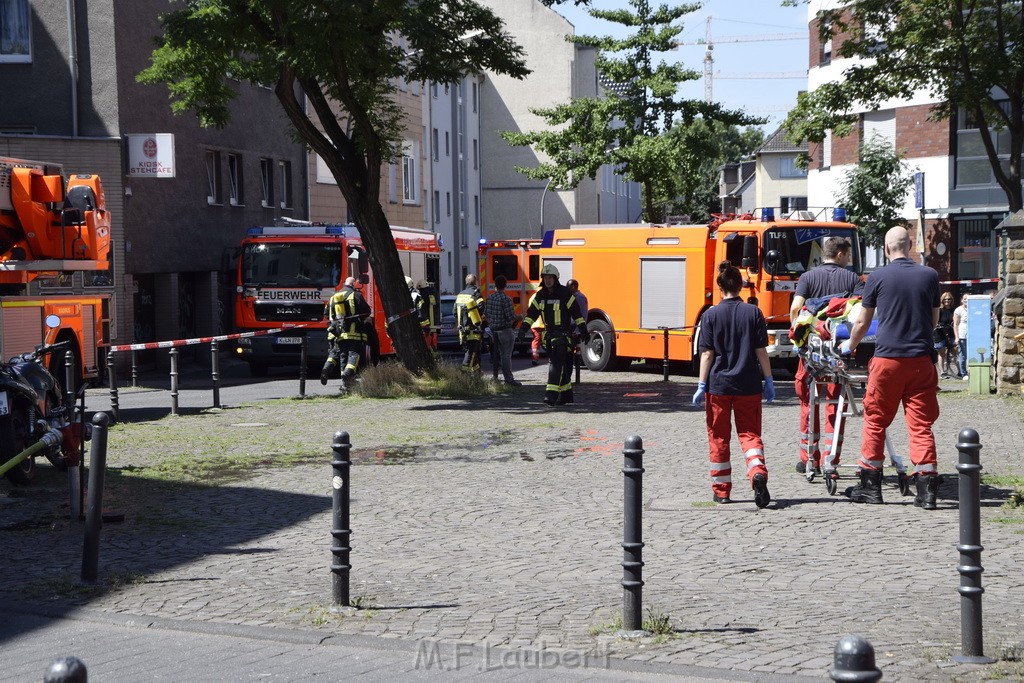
[404, 329]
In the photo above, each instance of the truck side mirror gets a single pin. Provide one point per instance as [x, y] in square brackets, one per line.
[750, 252]
[771, 261]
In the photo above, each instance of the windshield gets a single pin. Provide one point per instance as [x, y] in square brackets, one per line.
[291, 265]
[800, 248]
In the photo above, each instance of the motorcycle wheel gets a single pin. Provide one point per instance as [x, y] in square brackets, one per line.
[13, 440]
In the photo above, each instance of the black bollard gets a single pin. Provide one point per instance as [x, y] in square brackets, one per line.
[135, 369]
[303, 350]
[340, 532]
[174, 380]
[970, 549]
[215, 372]
[66, 670]
[854, 661]
[112, 378]
[632, 535]
[94, 499]
[69, 381]
[74, 468]
[664, 360]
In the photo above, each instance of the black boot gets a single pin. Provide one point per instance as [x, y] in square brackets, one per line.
[325, 373]
[927, 489]
[869, 490]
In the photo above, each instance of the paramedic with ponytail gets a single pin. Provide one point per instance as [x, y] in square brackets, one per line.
[733, 364]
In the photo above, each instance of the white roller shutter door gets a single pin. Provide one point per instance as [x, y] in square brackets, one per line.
[662, 292]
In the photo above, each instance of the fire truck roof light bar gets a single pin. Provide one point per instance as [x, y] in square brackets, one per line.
[339, 230]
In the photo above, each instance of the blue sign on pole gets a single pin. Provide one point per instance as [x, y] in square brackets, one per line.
[919, 190]
[979, 328]
[804, 235]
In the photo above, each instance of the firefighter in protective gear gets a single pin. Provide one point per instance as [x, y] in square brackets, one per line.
[469, 318]
[557, 307]
[426, 308]
[346, 312]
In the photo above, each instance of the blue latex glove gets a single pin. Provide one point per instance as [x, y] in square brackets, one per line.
[844, 348]
[698, 396]
[769, 390]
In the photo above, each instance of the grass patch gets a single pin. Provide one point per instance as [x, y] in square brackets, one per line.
[704, 504]
[1002, 480]
[657, 624]
[606, 629]
[447, 380]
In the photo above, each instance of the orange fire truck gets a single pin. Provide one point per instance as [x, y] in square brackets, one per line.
[518, 261]
[643, 281]
[286, 275]
[49, 227]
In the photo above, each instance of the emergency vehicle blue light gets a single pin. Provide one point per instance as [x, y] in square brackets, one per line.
[336, 230]
[254, 231]
[839, 214]
[483, 240]
[767, 214]
[548, 239]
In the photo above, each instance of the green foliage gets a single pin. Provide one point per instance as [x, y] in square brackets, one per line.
[629, 127]
[874, 192]
[968, 55]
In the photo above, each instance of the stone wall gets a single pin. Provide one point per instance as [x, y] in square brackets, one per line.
[1010, 359]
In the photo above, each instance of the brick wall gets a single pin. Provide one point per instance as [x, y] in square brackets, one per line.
[920, 137]
[845, 150]
[1010, 360]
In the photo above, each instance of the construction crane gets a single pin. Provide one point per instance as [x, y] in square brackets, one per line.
[709, 53]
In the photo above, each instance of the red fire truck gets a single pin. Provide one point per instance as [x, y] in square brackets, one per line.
[286, 275]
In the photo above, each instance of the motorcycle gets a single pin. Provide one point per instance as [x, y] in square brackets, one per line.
[32, 405]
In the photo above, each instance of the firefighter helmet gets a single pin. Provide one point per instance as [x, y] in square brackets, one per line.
[408, 282]
[549, 269]
[422, 284]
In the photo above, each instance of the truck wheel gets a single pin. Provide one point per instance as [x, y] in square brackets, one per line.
[257, 369]
[599, 354]
[13, 440]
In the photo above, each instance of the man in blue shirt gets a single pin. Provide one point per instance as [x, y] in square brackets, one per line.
[906, 296]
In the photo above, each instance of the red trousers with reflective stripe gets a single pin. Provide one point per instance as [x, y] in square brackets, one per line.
[915, 383]
[803, 392]
[718, 411]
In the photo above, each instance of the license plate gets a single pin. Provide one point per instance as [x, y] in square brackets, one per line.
[289, 340]
[4, 409]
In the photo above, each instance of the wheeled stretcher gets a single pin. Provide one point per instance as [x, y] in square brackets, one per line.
[825, 365]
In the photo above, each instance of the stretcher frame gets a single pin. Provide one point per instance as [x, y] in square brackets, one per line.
[824, 365]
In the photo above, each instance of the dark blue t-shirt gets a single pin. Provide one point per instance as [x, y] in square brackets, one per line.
[734, 331]
[903, 295]
[829, 279]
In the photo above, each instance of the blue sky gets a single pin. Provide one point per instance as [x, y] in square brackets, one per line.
[743, 70]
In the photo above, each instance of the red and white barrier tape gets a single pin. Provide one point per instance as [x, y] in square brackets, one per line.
[198, 340]
[983, 280]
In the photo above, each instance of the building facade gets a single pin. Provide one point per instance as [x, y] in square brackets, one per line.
[171, 235]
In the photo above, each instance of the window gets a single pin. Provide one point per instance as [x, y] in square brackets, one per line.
[507, 265]
[324, 176]
[434, 151]
[267, 183]
[15, 33]
[789, 169]
[476, 154]
[476, 209]
[447, 144]
[433, 90]
[285, 172]
[826, 150]
[474, 97]
[972, 163]
[448, 202]
[235, 180]
[410, 173]
[213, 192]
[788, 204]
[437, 206]
[825, 55]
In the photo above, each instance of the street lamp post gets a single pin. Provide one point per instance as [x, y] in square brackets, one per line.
[542, 197]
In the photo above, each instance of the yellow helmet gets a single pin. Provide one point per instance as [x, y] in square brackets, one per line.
[549, 269]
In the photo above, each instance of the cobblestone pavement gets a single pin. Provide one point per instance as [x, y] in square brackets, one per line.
[498, 523]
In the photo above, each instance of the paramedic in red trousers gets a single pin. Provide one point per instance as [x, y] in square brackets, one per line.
[906, 297]
[557, 306]
[733, 363]
[831, 278]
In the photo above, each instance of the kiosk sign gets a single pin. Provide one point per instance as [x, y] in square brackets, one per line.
[151, 155]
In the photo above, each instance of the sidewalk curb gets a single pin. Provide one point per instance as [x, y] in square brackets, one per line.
[393, 645]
